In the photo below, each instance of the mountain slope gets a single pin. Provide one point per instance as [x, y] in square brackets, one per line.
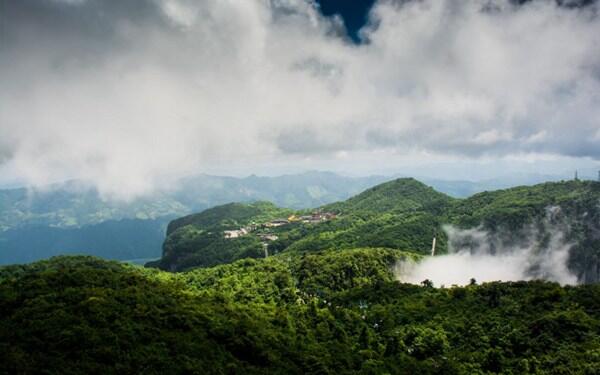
[206, 231]
[332, 312]
[400, 195]
[406, 214]
[567, 209]
[230, 216]
[73, 217]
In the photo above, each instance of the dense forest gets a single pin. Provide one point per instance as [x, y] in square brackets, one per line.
[325, 312]
[402, 214]
[327, 299]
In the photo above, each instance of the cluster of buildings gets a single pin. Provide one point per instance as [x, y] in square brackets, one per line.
[315, 217]
[235, 233]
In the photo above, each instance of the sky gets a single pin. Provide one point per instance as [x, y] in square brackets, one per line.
[131, 96]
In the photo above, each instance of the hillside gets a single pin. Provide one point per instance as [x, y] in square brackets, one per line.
[406, 214]
[397, 196]
[397, 214]
[333, 312]
[73, 217]
[230, 216]
[205, 231]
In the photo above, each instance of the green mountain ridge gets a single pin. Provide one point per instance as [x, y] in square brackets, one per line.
[73, 217]
[321, 303]
[400, 195]
[402, 214]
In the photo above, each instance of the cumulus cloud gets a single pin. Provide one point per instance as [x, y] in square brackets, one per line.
[132, 96]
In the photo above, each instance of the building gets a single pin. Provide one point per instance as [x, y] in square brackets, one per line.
[277, 223]
[235, 233]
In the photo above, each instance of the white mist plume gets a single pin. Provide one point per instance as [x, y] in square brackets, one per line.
[536, 252]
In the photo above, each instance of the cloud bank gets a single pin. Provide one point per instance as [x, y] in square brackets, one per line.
[132, 96]
[537, 252]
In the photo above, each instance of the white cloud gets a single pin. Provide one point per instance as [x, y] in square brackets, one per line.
[133, 97]
[484, 256]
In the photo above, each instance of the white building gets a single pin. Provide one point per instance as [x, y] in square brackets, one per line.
[235, 233]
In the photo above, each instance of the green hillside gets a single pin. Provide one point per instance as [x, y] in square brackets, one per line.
[73, 217]
[230, 216]
[205, 231]
[520, 204]
[402, 214]
[328, 312]
[400, 195]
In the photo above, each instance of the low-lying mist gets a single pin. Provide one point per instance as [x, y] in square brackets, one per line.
[537, 251]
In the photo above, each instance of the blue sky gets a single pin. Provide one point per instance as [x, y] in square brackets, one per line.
[354, 13]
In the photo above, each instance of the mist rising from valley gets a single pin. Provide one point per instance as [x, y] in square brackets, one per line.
[537, 251]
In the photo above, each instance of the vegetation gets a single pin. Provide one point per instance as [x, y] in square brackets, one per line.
[402, 214]
[401, 195]
[73, 218]
[205, 231]
[317, 313]
[327, 301]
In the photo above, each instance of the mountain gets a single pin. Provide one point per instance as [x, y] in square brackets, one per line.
[205, 230]
[73, 217]
[36, 224]
[406, 214]
[327, 299]
[338, 312]
[198, 240]
[75, 204]
[400, 195]
[230, 216]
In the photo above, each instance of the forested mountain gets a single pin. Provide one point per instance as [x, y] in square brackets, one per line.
[74, 218]
[75, 214]
[327, 298]
[398, 196]
[403, 214]
[336, 312]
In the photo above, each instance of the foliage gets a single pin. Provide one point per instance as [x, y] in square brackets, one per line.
[230, 216]
[318, 313]
[205, 231]
[402, 214]
[400, 195]
[73, 218]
